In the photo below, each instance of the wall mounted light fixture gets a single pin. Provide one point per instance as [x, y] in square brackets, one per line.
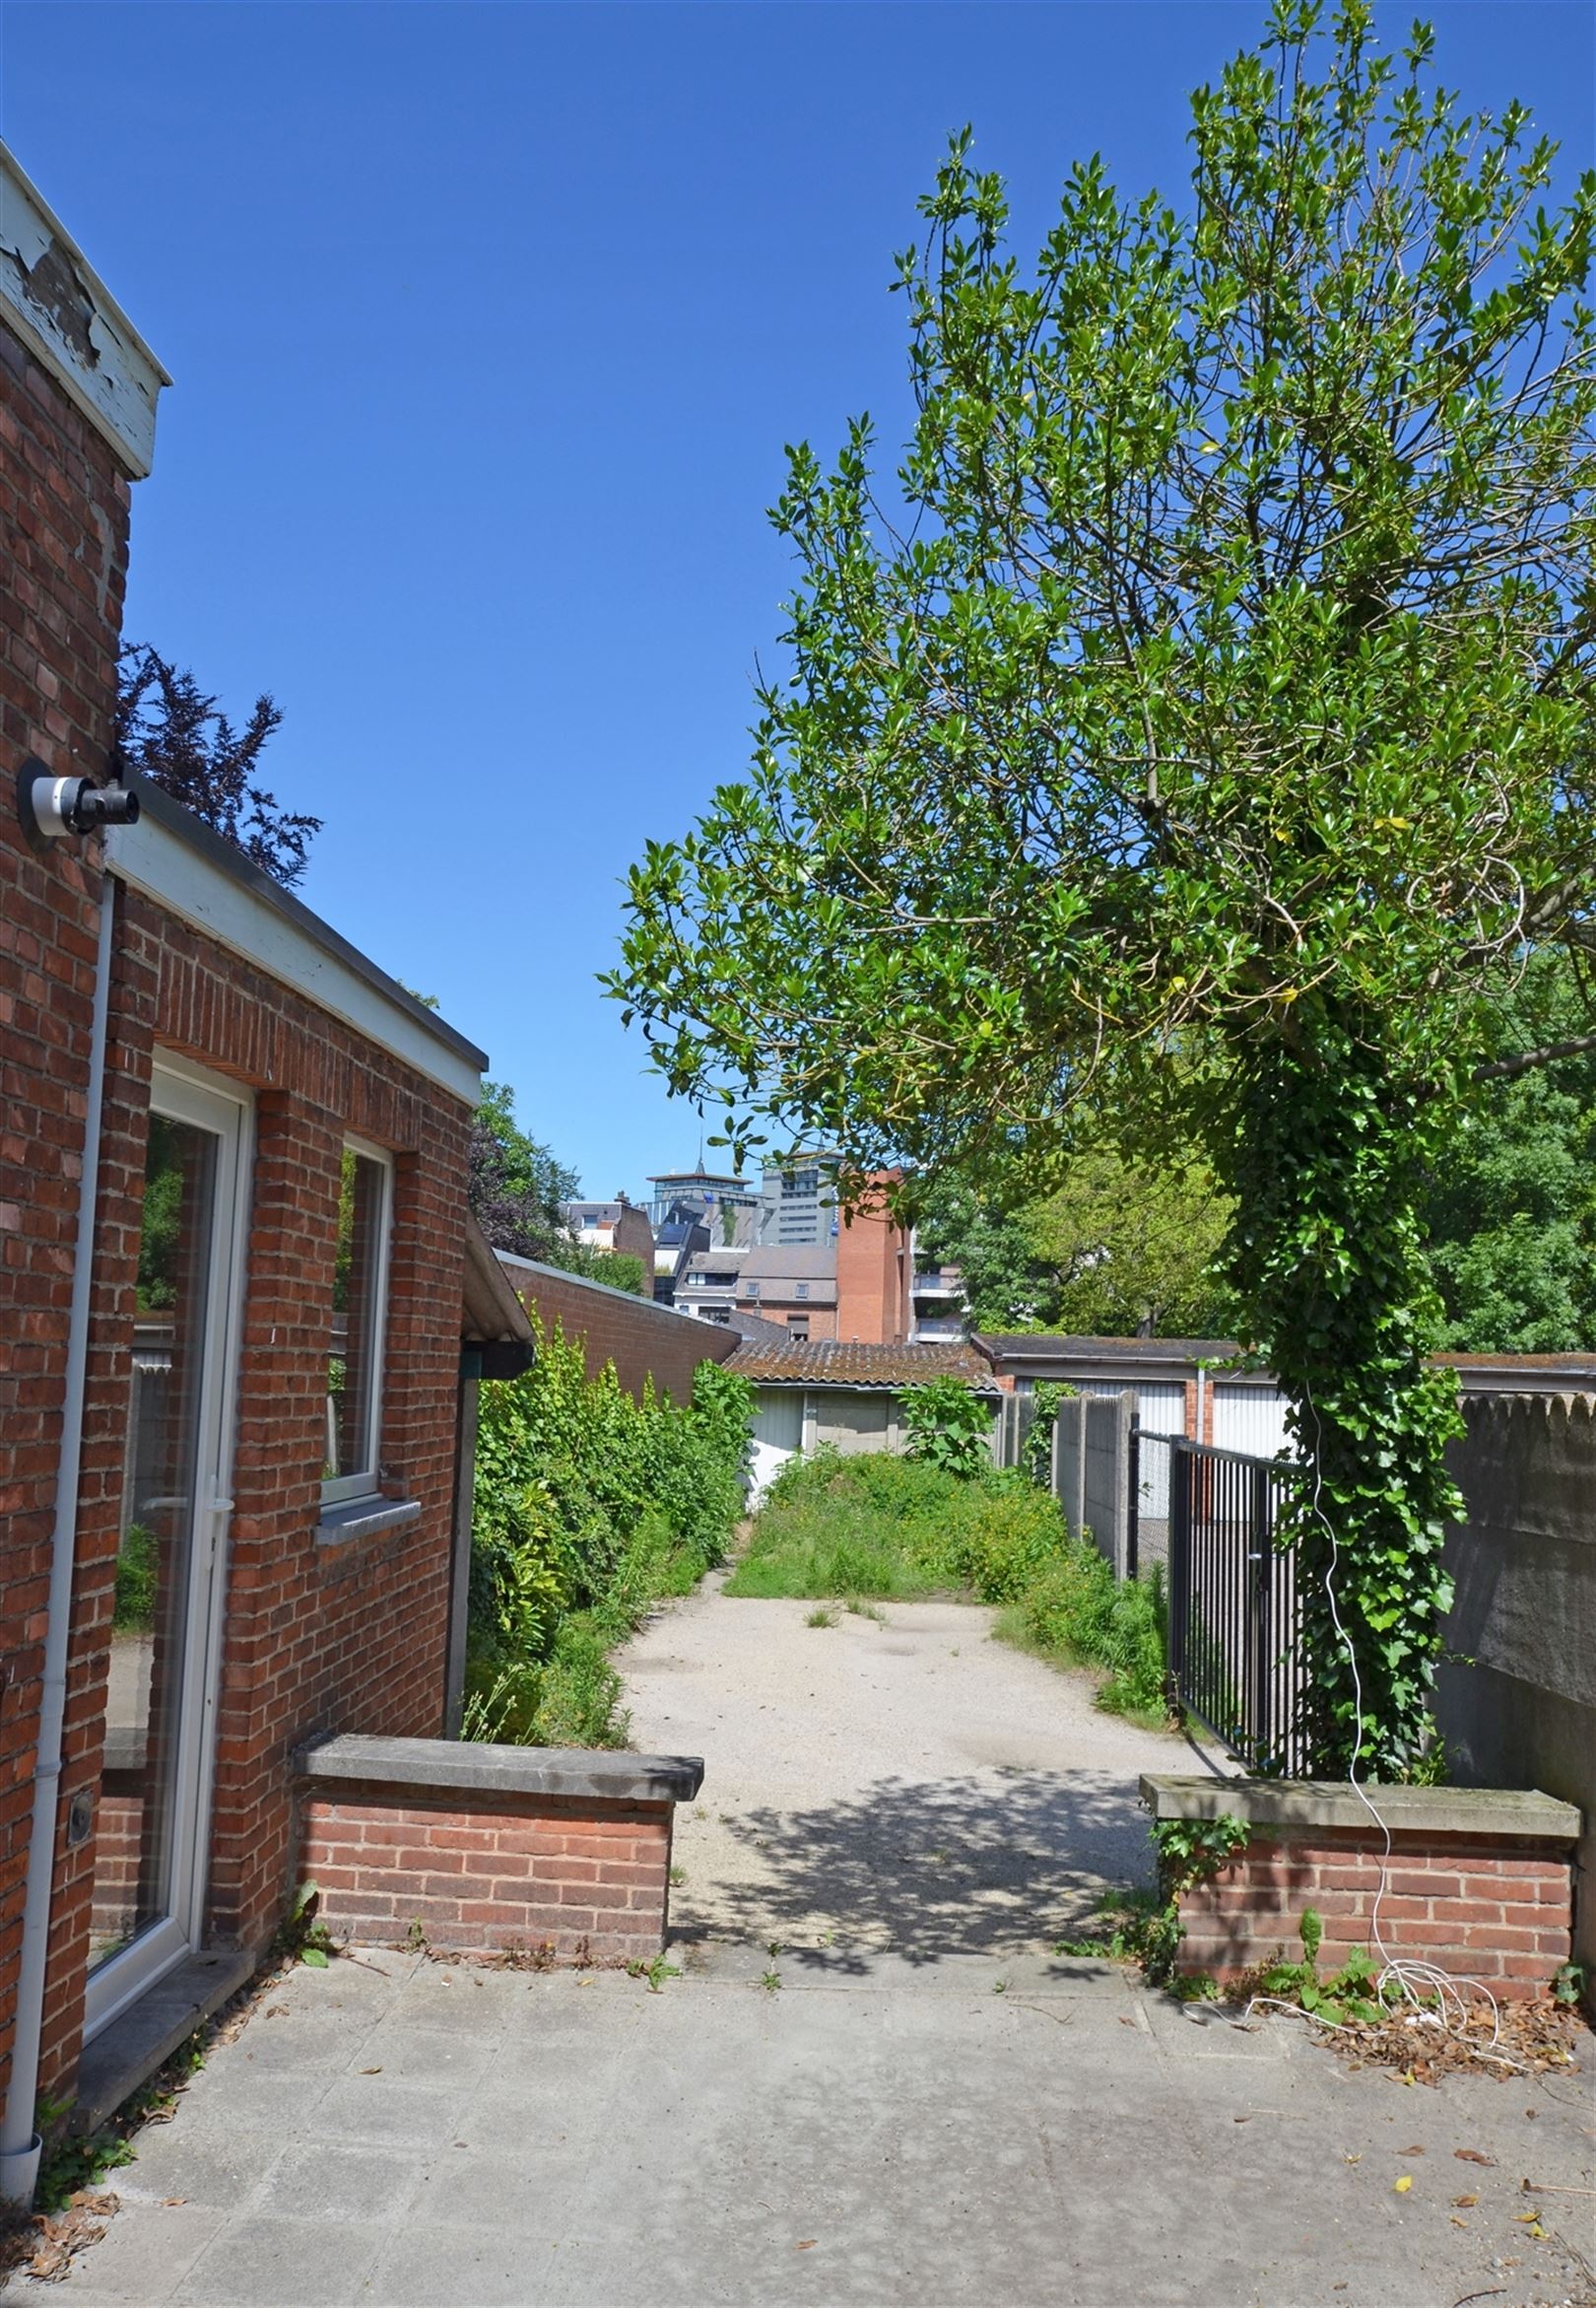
[51, 807]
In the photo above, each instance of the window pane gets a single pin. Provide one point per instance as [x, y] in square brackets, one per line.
[352, 1373]
[134, 1847]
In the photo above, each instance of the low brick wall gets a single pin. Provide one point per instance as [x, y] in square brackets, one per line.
[543, 1851]
[1477, 1881]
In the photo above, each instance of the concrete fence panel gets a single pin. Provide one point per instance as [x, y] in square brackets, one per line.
[1516, 1699]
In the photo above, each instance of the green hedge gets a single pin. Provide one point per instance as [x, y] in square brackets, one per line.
[590, 1507]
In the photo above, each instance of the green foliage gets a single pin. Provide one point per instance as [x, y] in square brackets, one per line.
[1037, 1451]
[137, 1568]
[73, 2160]
[590, 1507]
[1135, 1247]
[1145, 1927]
[1076, 1610]
[656, 1973]
[948, 1425]
[302, 1937]
[1351, 1993]
[1205, 746]
[1005, 1285]
[1510, 1207]
[840, 1528]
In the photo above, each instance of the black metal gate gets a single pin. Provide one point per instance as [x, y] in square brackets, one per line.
[1234, 1624]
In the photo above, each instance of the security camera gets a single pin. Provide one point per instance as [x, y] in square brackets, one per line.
[51, 807]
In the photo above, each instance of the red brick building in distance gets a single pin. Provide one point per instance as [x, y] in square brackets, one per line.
[244, 1312]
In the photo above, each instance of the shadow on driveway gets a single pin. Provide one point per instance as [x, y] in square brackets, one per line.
[945, 1867]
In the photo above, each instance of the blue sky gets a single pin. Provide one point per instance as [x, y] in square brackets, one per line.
[489, 323]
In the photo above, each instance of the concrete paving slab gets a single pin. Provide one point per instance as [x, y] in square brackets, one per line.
[219, 2167]
[330, 2180]
[377, 2110]
[263, 2262]
[885, 2128]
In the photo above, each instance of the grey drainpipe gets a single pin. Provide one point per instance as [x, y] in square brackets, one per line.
[20, 2144]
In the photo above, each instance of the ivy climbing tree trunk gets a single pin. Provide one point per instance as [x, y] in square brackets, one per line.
[1328, 1162]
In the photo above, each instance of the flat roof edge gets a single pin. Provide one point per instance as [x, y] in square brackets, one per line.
[98, 357]
[141, 856]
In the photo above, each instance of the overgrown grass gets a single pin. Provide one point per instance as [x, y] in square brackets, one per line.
[890, 1528]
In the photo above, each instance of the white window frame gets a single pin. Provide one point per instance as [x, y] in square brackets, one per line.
[364, 1482]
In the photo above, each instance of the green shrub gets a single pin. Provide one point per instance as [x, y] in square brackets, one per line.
[948, 1425]
[590, 1507]
[137, 1569]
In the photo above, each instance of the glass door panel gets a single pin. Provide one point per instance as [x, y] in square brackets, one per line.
[140, 1798]
[149, 1872]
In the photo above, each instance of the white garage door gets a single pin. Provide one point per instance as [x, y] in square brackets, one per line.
[1250, 1418]
[778, 1431]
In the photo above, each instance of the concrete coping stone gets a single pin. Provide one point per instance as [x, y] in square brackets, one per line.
[1518, 1814]
[587, 1774]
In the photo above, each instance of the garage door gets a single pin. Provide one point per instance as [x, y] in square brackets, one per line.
[778, 1431]
[1250, 1418]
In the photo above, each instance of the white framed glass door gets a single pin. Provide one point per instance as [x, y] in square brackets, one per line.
[153, 1819]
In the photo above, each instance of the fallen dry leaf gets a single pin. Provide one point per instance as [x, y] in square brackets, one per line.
[1415, 2150]
[370, 2072]
[808, 2245]
[1472, 2155]
[1403, 2184]
[170, 2201]
[1465, 2201]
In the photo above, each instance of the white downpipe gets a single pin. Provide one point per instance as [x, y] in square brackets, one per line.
[20, 2144]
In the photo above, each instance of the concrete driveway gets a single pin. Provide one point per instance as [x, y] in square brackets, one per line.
[912, 2102]
[903, 1782]
[872, 2130]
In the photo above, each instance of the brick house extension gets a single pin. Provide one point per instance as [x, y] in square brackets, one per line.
[233, 1262]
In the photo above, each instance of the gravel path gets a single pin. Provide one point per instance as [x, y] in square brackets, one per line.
[905, 1784]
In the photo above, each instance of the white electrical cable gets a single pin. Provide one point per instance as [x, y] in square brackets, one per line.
[1412, 1978]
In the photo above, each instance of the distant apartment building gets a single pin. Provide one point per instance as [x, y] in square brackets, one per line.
[787, 1252]
[620, 1225]
[939, 1310]
[709, 1282]
[718, 1198]
[797, 1202]
[792, 1285]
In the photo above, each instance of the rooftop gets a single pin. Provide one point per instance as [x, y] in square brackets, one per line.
[814, 1261]
[836, 1362]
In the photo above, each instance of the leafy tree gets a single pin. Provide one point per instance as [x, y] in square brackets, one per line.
[1005, 1285]
[518, 1186]
[1205, 735]
[1136, 1250]
[169, 731]
[1511, 1210]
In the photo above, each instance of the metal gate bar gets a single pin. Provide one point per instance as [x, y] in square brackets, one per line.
[1234, 1623]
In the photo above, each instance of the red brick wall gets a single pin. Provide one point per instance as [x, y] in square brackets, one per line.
[348, 1636]
[874, 1281]
[1491, 1910]
[63, 559]
[586, 1883]
[642, 1339]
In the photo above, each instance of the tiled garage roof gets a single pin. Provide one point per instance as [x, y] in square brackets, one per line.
[835, 1362]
